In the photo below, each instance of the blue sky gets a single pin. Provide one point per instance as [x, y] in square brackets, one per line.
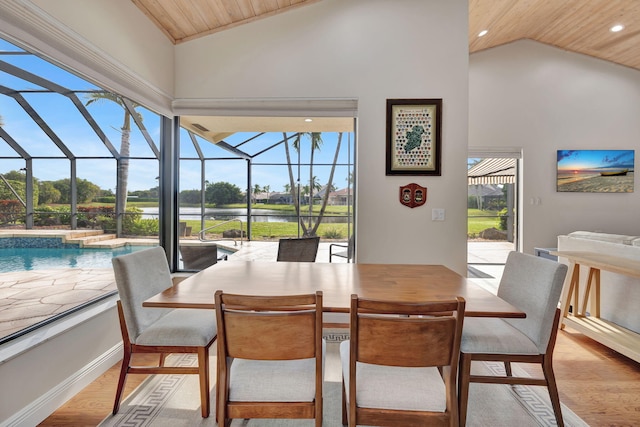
[593, 160]
[67, 123]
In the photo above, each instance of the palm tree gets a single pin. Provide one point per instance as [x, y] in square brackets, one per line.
[314, 184]
[325, 199]
[256, 190]
[316, 143]
[123, 172]
[294, 188]
[267, 189]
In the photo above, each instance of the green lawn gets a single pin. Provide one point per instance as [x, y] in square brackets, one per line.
[479, 220]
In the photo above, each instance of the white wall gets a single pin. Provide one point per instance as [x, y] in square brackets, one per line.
[369, 50]
[530, 95]
[56, 362]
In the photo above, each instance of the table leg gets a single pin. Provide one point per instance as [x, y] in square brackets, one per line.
[571, 290]
[595, 301]
[594, 273]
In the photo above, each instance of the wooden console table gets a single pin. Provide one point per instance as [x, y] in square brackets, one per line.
[616, 337]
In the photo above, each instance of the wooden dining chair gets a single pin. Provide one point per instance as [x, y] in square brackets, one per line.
[399, 366]
[304, 249]
[532, 284]
[139, 276]
[270, 357]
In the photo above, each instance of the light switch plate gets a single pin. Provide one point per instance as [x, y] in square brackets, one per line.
[437, 214]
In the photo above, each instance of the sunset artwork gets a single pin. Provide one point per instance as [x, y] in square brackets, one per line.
[595, 171]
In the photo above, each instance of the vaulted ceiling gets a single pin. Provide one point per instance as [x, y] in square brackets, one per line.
[580, 26]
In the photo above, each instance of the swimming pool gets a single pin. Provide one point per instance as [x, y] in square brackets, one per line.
[26, 259]
[68, 256]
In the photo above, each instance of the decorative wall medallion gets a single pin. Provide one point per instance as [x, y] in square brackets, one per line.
[413, 195]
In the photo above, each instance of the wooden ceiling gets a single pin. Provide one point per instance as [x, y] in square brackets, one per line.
[580, 26]
[184, 20]
[575, 25]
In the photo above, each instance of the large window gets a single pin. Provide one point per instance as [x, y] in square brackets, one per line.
[80, 183]
[78, 166]
[267, 185]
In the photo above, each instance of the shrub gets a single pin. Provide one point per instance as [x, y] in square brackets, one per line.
[332, 233]
[47, 216]
[11, 211]
[142, 227]
[504, 216]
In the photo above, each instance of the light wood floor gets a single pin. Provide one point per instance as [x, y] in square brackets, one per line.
[598, 384]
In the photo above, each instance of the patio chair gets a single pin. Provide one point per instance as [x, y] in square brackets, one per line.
[270, 357]
[400, 365]
[198, 257]
[348, 253]
[304, 249]
[139, 276]
[532, 284]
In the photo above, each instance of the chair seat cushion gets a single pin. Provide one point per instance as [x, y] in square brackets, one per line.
[494, 336]
[393, 387]
[274, 380]
[181, 327]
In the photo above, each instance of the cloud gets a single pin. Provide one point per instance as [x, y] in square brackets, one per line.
[614, 159]
[563, 154]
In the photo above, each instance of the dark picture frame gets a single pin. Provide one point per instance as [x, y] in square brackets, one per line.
[414, 136]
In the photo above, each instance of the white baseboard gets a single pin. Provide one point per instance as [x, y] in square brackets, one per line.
[44, 406]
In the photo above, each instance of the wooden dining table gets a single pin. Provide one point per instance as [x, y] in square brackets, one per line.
[337, 281]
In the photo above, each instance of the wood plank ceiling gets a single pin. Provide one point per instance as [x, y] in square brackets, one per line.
[580, 26]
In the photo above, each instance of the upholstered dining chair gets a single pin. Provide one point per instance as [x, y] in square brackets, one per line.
[270, 357]
[303, 249]
[532, 284]
[399, 366]
[140, 275]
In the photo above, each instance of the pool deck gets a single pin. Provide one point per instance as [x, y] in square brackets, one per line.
[30, 297]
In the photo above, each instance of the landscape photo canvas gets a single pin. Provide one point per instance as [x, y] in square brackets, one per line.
[595, 171]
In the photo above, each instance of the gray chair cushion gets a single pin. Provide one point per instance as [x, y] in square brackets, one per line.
[181, 327]
[494, 336]
[139, 276]
[392, 387]
[274, 381]
[533, 284]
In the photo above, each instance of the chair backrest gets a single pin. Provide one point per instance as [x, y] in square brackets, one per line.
[303, 249]
[269, 327]
[351, 247]
[533, 284]
[199, 257]
[423, 334]
[139, 276]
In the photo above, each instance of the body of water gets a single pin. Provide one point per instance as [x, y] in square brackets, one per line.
[222, 214]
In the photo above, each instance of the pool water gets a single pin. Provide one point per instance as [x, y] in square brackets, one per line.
[25, 259]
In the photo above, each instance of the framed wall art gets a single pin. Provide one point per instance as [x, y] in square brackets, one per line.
[595, 171]
[413, 136]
